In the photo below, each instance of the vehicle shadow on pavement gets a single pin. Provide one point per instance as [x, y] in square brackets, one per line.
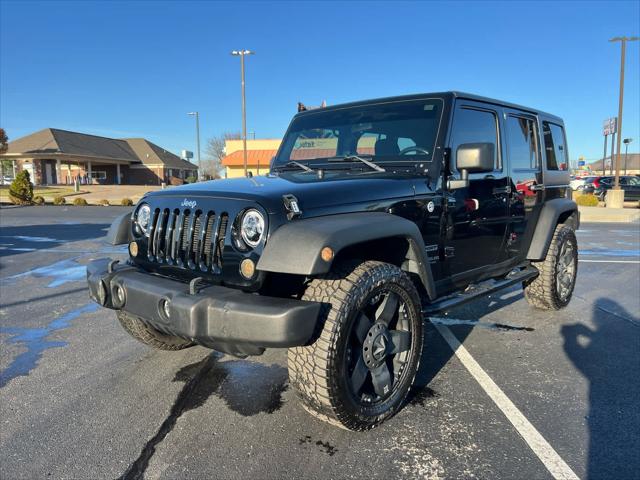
[437, 353]
[614, 390]
[29, 238]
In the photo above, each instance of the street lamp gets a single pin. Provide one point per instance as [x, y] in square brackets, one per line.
[626, 142]
[197, 115]
[241, 54]
[623, 41]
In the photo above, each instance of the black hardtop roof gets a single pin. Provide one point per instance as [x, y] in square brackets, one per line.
[444, 95]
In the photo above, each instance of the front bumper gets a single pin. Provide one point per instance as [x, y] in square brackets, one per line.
[225, 319]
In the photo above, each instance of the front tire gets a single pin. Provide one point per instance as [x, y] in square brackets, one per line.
[358, 372]
[149, 335]
[553, 287]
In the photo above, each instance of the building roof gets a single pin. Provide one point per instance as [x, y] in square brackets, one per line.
[633, 162]
[149, 154]
[134, 150]
[255, 158]
[53, 140]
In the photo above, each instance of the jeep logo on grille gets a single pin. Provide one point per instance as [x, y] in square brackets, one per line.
[189, 203]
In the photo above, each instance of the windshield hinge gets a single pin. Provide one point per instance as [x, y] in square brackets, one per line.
[291, 206]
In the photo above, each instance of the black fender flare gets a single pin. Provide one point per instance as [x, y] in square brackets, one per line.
[295, 247]
[120, 230]
[549, 217]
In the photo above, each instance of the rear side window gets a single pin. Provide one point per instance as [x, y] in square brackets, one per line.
[475, 126]
[554, 146]
[522, 142]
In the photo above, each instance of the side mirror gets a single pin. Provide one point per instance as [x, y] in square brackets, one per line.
[472, 158]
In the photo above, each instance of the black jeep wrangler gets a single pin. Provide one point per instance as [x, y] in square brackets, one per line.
[374, 215]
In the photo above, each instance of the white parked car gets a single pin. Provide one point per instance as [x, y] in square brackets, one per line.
[577, 183]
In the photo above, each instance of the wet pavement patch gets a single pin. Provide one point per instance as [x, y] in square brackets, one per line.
[35, 339]
[450, 322]
[326, 447]
[61, 272]
[247, 388]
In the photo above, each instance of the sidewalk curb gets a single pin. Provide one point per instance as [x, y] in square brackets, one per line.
[609, 215]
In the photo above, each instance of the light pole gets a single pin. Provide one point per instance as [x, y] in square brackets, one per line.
[197, 115]
[623, 41]
[626, 142]
[241, 54]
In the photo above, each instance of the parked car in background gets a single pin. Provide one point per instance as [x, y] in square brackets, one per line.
[6, 180]
[577, 183]
[599, 186]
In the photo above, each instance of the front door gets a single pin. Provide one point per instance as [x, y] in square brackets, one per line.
[477, 216]
[48, 173]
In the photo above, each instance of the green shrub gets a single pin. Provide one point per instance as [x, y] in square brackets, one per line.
[80, 202]
[191, 179]
[104, 202]
[38, 200]
[126, 202]
[21, 189]
[59, 200]
[587, 200]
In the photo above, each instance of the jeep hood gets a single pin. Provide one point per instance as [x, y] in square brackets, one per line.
[311, 192]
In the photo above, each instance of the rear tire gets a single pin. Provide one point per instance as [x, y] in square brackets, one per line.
[553, 287]
[149, 335]
[358, 372]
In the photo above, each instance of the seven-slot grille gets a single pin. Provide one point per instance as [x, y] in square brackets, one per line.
[188, 239]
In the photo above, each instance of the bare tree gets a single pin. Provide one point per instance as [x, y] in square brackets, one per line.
[214, 153]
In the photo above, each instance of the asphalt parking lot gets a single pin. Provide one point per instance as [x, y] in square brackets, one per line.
[79, 398]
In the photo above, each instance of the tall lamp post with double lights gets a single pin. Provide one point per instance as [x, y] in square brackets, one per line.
[242, 54]
[626, 142]
[623, 41]
[197, 115]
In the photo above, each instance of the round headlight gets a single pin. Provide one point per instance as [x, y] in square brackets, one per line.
[252, 227]
[143, 218]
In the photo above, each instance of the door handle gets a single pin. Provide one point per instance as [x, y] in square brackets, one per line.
[536, 188]
[506, 189]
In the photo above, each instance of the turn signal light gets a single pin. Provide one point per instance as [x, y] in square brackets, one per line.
[247, 268]
[326, 254]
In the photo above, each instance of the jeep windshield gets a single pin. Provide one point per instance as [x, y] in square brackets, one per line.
[383, 133]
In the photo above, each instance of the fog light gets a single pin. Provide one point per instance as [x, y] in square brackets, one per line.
[119, 297]
[326, 254]
[165, 307]
[102, 293]
[247, 268]
[133, 249]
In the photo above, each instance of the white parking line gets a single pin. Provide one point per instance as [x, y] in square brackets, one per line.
[608, 261]
[545, 452]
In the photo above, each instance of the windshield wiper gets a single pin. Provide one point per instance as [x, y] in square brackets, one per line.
[293, 163]
[350, 158]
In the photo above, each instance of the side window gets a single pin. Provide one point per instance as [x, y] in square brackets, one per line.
[554, 146]
[521, 139]
[475, 126]
[635, 181]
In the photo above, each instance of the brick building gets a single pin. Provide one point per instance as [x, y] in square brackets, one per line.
[53, 156]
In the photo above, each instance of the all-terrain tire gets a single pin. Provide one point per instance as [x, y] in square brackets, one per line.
[149, 335]
[543, 292]
[317, 371]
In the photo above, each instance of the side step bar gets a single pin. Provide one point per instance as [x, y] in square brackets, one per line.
[474, 291]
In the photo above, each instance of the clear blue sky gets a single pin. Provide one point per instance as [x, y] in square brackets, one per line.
[135, 69]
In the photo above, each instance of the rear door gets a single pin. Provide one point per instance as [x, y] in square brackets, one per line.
[525, 175]
[631, 186]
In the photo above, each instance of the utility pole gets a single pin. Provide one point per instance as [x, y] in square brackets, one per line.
[241, 54]
[623, 41]
[197, 115]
